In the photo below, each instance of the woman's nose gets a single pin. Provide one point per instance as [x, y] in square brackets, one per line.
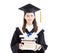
[30, 17]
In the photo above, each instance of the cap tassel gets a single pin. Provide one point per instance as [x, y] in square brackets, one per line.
[40, 16]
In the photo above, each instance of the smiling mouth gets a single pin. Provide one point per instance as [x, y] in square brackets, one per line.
[29, 20]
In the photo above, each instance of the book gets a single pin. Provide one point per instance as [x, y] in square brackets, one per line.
[29, 42]
[28, 45]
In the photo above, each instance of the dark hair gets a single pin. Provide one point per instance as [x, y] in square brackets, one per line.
[34, 25]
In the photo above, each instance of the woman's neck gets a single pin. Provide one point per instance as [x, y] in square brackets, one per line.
[29, 24]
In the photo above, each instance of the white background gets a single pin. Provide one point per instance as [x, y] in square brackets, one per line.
[11, 17]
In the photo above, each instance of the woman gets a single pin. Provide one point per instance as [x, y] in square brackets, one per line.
[29, 27]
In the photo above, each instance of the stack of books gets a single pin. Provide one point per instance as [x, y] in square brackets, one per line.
[29, 43]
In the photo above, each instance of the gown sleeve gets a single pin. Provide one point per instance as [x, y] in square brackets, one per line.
[15, 41]
[41, 40]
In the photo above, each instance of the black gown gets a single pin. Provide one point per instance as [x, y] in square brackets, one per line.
[16, 40]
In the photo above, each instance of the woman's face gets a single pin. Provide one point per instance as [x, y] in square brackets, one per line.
[29, 17]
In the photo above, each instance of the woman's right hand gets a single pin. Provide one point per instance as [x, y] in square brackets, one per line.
[20, 45]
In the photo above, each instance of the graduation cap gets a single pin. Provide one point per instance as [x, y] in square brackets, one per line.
[30, 8]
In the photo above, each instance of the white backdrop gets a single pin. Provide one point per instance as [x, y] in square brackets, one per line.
[11, 17]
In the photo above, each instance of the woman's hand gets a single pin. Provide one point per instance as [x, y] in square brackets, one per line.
[38, 47]
[20, 45]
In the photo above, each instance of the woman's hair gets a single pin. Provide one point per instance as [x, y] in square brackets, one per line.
[35, 27]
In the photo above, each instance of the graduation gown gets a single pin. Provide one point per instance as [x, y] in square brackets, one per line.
[16, 40]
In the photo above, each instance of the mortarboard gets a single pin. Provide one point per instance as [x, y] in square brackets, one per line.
[30, 8]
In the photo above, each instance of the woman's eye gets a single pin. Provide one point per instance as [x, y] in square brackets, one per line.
[27, 15]
[31, 15]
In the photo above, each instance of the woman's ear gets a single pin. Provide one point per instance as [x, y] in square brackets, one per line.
[24, 17]
[34, 17]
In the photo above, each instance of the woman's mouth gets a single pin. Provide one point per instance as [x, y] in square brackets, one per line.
[29, 20]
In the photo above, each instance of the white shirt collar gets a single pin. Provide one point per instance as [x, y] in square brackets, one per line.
[29, 27]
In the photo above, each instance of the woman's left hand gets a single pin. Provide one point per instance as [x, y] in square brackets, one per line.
[38, 47]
